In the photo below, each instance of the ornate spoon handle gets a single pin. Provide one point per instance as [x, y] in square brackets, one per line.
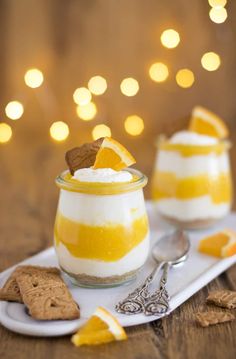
[135, 302]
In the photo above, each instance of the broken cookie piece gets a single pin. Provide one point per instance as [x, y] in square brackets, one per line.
[210, 318]
[83, 156]
[223, 298]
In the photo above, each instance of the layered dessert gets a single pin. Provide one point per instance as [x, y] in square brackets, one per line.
[192, 180]
[101, 228]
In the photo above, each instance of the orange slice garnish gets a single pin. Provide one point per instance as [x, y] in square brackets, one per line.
[206, 122]
[221, 244]
[113, 155]
[102, 327]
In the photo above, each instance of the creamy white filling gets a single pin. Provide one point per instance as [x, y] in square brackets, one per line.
[98, 210]
[102, 175]
[188, 210]
[192, 138]
[133, 260]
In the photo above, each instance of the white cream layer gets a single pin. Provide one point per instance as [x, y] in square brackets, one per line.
[192, 138]
[194, 209]
[132, 261]
[102, 175]
[99, 210]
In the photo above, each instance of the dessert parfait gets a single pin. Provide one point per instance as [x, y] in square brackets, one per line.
[101, 228]
[192, 181]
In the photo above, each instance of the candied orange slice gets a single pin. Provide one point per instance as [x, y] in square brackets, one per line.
[102, 327]
[206, 122]
[113, 155]
[221, 244]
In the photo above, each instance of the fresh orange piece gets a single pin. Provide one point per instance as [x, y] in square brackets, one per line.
[221, 244]
[113, 155]
[101, 328]
[206, 122]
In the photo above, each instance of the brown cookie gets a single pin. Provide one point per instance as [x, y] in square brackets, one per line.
[46, 296]
[83, 156]
[223, 298]
[210, 318]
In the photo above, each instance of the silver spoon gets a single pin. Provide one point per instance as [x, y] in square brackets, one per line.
[170, 250]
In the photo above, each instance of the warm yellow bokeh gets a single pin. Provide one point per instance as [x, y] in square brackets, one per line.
[210, 61]
[129, 86]
[170, 38]
[217, 3]
[97, 85]
[82, 96]
[5, 132]
[185, 78]
[87, 112]
[33, 78]
[218, 14]
[101, 131]
[134, 125]
[158, 72]
[59, 131]
[14, 110]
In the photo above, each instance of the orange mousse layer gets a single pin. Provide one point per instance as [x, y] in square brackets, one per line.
[108, 243]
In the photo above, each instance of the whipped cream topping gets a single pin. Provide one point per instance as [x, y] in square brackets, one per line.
[192, 138]
[103, 175]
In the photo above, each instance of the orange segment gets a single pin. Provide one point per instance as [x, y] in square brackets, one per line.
[221, 244]
[102, 327]
[206, 122]
[113, 155]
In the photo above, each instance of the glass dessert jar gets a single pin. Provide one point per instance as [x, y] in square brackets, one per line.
[191, 183]
[101, 230]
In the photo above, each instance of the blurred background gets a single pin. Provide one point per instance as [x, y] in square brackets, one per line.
[74, 70]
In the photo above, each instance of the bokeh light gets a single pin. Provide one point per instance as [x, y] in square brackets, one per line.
[158, 72]
[97, 85]
[129, 86]
[170, 38]
[218, 14]
[33, 78]
[5, 132]
[14, 110]
[82, 96]
[87, 112]
[210, 61]
[101, 131]
[185, 78]
[134, 125]
[217, 3]
[59, 131]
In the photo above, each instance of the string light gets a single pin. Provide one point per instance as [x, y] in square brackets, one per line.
[218, 15]
[33, 78]
[101, 131]
[5, 132]
[97, 85]
[185, 78]
[87, 112]
[59, 131]
[14, 110]
[129, 86]
[217, 3]
[210, 61]
[134, 125]
[82, 96]
[170, 38]
[158, 72]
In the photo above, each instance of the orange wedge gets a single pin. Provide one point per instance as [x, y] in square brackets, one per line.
[206, 122]
[221, 244]
[113, 155]
[101, 328]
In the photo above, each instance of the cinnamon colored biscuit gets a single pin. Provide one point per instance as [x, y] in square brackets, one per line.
[210, 318]
[83, 156]
[223, 298]
[46, 296]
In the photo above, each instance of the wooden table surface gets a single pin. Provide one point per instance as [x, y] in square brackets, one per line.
[27, 209]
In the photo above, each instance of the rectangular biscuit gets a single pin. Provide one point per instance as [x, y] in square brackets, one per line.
[210, 318]
[223, 298]
[46, 295]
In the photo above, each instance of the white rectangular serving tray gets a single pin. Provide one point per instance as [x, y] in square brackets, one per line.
[183, 282]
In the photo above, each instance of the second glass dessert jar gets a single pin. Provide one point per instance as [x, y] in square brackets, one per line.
[101, 230]
[191, 183]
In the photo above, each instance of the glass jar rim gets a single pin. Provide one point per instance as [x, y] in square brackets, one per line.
[101, 188]
[163, 141]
